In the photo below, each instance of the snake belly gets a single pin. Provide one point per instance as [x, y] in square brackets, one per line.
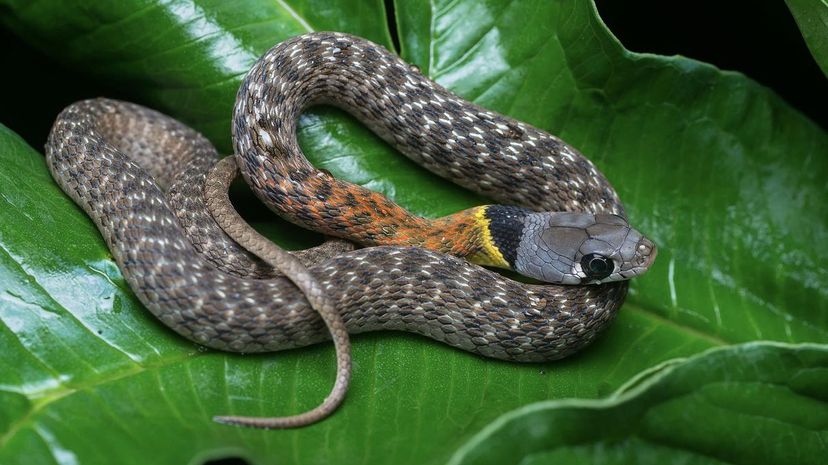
[139, 175]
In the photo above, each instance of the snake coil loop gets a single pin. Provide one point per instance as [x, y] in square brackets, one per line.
[140, 176]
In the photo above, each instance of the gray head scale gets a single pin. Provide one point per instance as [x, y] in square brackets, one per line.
[571, 248]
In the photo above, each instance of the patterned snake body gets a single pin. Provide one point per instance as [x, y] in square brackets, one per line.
[141, 177]
[489, 153]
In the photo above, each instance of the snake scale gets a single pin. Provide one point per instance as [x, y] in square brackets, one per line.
[142, 177]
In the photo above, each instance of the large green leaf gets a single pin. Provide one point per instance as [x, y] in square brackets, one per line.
[728, 179]
[812, 18]
[753, 404]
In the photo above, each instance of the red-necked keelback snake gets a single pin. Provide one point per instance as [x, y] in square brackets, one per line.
[142, 178]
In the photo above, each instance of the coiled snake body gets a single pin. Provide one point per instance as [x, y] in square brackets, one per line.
[116, 160]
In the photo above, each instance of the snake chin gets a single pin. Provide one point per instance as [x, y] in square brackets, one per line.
[582, 248]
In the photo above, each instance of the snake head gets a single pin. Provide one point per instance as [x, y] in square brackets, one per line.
[581, 248]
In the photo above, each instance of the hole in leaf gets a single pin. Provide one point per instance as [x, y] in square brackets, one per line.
[391, 18]
[227, 461]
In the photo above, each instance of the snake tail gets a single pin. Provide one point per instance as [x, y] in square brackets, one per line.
[216, 186]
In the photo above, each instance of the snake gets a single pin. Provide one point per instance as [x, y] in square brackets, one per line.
[150, 183]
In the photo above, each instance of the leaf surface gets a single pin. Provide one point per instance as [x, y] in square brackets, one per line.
[812, 18]
[726, 177]
[757, 403]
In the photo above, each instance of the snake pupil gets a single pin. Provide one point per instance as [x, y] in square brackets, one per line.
[596, 266]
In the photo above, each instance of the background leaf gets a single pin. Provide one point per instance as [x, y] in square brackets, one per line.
[716, 168]
[719, 407]
[812, 18]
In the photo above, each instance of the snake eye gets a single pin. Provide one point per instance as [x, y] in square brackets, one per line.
[596, 266]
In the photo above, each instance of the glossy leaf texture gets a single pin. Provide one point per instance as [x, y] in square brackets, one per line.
[725, 176]
[757, 403]
[812, 18]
